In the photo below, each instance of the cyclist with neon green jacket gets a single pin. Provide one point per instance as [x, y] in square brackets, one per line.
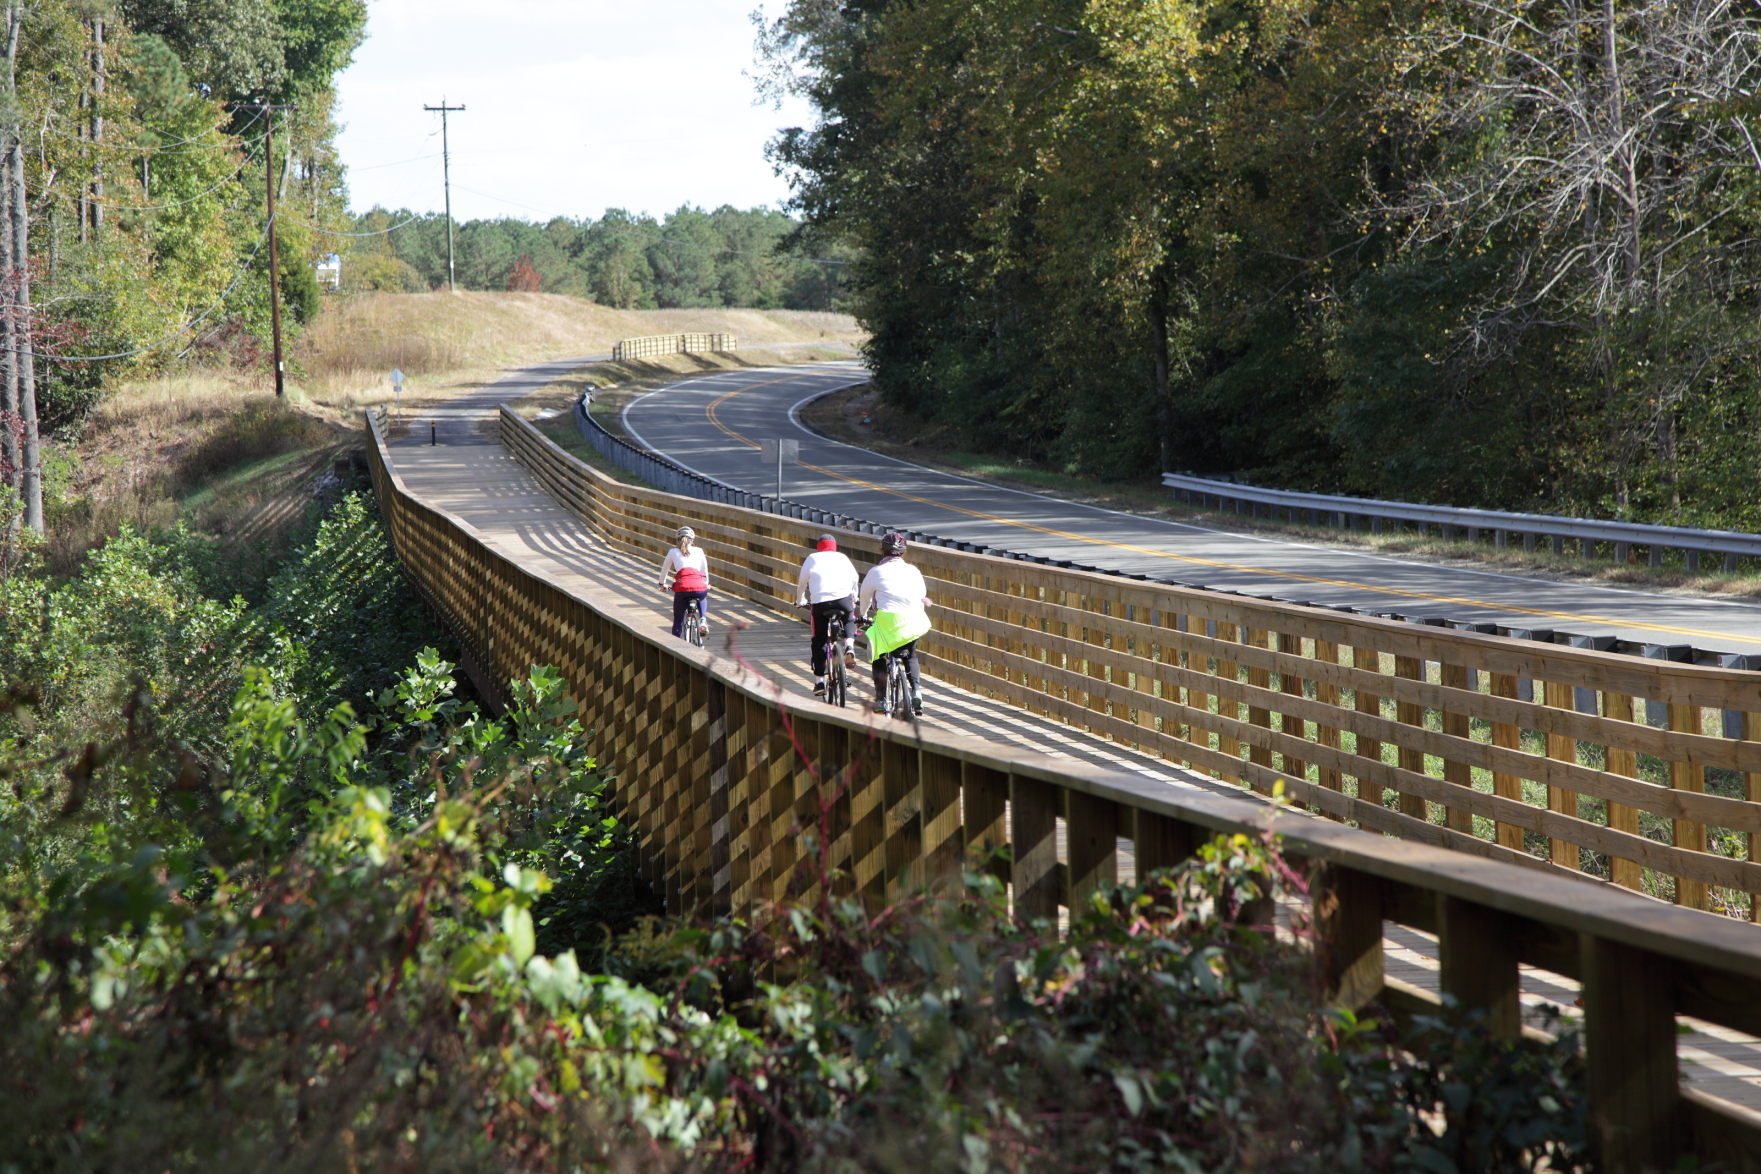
[894, 592]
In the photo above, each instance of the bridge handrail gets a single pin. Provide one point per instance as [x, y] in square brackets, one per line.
[716, 770]
[1337, 508]
[1160, 667]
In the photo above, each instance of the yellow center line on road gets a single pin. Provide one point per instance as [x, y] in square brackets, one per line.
[1545, 613]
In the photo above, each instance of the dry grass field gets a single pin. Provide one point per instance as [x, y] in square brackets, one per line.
[448, 343]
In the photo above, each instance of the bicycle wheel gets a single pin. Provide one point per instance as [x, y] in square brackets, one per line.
[898, 692]
[836, 683]
[694, 624]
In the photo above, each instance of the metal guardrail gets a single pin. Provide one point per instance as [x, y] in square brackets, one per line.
[674, 344]
[1341, 512]
[674, 478]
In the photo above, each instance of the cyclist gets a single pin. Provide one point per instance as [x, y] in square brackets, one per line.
[685, 572]
[893, 592]
[828, 587]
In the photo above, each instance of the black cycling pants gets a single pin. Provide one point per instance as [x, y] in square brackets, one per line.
[822, 614]
[906, 653]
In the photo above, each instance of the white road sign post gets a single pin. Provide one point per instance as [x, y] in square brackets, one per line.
[778, 451]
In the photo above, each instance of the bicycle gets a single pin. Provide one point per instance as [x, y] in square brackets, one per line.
[693, 628]
[837, 680]
[898, 694]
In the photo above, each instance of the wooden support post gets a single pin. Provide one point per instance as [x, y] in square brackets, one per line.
[1158, 841]
[1624, 762]
[1369, 660]
[1688, 776]
[1411, 714]
[1228, 670]
[1561, 749]
[1291, 684]
[1508, 786]
[1752, 789]
[1529, 543]
[1258, 715]
[1460, 774]
[868, 819]
[901, 773]
[1033, 827]
[944, 841]
[1629, 1028]
[1348, 926]
[721, 896]
[984, 799]
[1328, 694]
[1478, 962]
[1091, 829]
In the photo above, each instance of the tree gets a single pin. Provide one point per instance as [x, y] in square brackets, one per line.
[523, 277]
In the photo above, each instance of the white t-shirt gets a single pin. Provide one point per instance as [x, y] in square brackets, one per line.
[894, 585]
[826, 575]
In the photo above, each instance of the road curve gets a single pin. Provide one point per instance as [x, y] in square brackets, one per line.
[712, 424]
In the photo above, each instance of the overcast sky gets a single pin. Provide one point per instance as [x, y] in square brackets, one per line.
[573, 106]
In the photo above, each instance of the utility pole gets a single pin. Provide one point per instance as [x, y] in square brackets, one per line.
[274, 258]
[446, 182]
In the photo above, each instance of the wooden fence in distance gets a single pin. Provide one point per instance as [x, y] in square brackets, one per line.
[673, 344]
[718, 773]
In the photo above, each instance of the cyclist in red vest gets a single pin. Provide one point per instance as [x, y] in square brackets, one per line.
[685, 572]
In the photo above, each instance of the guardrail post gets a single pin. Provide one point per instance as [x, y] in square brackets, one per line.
[1630, 1038]
[1655, 558]
[1693, 557]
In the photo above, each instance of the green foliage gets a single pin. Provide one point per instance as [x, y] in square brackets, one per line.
[146, 184]
[1323, 245]
[161, 617]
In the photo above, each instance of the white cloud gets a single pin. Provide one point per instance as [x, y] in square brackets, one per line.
[571, 108]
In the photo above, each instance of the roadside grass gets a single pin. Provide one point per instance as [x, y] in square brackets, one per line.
[855, 417]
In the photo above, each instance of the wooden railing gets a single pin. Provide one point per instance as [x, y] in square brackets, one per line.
[1533, 753]
[673, 344]
[720, 775]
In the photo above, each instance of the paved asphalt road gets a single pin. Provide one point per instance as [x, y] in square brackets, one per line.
[713, 425]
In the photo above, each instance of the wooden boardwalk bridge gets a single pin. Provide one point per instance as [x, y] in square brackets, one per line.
[1094, 725]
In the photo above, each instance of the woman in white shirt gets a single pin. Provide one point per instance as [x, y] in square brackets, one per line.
[827, 587]
[899, 597]
[685, 572]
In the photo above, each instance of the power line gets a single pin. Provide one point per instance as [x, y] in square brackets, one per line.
[381, 232]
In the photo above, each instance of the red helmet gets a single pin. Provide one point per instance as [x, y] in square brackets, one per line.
[893, 543]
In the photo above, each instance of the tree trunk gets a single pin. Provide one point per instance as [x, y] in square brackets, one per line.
[97, 125]
[11, 127]
[21, 292]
